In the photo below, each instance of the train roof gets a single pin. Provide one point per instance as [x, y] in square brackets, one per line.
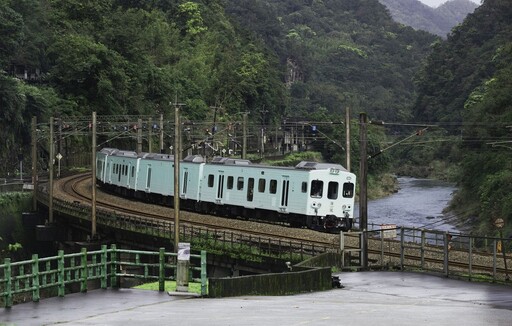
[156, 156]
[304, 165]
[117, 152]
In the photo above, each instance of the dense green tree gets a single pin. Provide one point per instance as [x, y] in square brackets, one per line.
[11, 28]
[465, 86]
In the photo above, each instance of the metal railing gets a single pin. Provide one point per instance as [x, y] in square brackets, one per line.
[106, 266]
[463, 256]
[220, 241]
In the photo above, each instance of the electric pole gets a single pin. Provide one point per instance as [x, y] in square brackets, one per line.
[93, 178]
[139, 136]
[50, 168]
[34, 163]
[347, 140]
[177, 151]
[363, 177]
[244, 140]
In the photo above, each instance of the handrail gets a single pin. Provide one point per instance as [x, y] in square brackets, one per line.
[107, 265]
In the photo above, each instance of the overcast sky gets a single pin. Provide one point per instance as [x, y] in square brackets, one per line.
[436, 3]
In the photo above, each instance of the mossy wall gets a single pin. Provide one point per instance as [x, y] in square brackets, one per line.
[305, 280]
[12, 205]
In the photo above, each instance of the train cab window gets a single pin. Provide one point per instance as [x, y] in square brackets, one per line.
[230, 182]
[332, 190]
[348, 190]
[240, 183]
[261, 185]
[304, 187]
[273, 186]
[211, 179]
[317, 188]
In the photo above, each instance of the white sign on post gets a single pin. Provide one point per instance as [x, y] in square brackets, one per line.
[183, 251]
[388, 231]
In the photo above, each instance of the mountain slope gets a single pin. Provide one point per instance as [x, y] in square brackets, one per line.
[339, 53]
[466, 86]
[438, 21]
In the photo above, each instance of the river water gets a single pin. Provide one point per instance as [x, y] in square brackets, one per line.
[419, 203]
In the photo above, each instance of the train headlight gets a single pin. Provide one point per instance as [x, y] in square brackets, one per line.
[344, 207]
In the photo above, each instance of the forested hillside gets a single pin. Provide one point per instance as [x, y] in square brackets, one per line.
[439, 21]
[276, 60]
[339, 53]
[289, 59]
[119, 57]
[466, 88]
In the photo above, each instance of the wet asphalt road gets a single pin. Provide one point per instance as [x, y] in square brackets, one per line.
[368, 298]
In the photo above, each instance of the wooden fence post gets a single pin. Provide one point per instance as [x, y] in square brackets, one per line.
[113, 267]
[8, 282]
[161, 270]
[402, 249]
[61, 274]
[203, 272]
[35, 278]
[84, 271]
[104, 253]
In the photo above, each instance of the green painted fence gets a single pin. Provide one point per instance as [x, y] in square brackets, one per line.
[106, 266]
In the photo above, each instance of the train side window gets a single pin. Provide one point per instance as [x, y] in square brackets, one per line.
[240, 183]
[304, 187]
[230, 182]
[332, 190]
[348, 190]
[273, 186]
[211, 179]
[261, 185]
[317, 188]
[133, 172]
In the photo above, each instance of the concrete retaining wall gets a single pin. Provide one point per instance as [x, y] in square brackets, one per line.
[297, 281]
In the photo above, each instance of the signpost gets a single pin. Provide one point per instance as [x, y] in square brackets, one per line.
[183, 266]
[388, 231]
[59, 157]
[499, 223]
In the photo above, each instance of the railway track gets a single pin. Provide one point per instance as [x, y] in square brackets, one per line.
[78, 189]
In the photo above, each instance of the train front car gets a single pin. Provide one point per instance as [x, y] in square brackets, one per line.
[330, 196]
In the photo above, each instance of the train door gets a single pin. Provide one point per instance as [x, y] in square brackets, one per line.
[220, 188]
[284, 193]
[148, 178]
[250, 189]
[109, 172]
[184, 183]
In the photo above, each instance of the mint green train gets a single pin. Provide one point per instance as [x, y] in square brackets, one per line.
[315, 195]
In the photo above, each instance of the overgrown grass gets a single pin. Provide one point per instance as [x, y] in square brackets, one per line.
[193, 287]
